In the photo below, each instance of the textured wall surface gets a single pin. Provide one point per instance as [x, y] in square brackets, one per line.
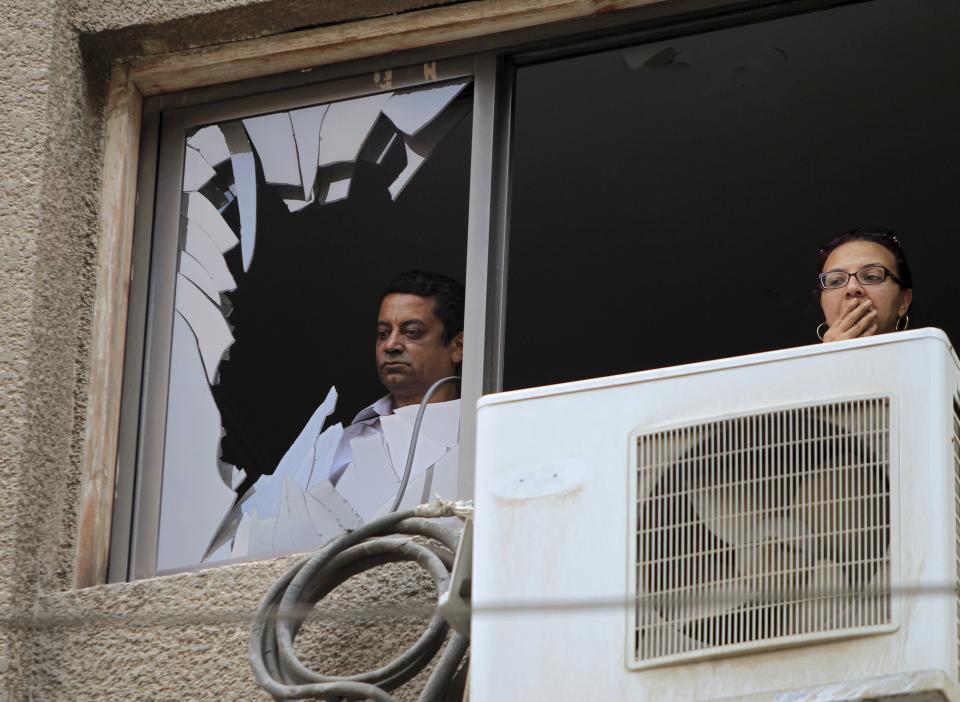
[113, 642]
[48, 157]
[185, 637]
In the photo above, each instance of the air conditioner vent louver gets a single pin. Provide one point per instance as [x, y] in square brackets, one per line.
[956, 507]
[763, 529]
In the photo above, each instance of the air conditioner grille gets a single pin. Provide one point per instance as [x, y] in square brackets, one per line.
[760, 529]
[956, 507]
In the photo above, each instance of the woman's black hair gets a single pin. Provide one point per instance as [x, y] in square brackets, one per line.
[882, 236]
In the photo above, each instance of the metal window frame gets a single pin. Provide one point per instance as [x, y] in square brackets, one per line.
[137, 501]
[492, 61]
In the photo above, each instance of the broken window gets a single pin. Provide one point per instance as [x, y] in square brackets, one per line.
[291, 224]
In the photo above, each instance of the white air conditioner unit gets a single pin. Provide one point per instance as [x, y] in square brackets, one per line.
[776, 526]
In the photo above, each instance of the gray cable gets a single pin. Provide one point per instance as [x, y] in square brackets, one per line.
[279, 671]
[416, 435]
[285, 607]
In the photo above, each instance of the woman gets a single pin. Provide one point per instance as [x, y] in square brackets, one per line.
[865, 286]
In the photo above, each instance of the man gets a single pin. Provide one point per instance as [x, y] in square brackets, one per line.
[302, 505]
[419, 341]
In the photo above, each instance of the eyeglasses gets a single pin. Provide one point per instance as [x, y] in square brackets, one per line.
[868, 275]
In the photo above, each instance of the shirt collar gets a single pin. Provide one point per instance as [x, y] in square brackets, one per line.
[380, 408]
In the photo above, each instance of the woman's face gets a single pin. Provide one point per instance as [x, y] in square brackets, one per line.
[888, 299]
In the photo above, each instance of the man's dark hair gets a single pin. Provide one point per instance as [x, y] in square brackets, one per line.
[882, 236]
[448, 296]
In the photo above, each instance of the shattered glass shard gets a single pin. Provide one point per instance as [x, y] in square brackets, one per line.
[196, 171]
[198, 275]
[296, 205]
[347, 126]
[241, 539]
[237, 477]
[446, 476]
[283, 529]
[195, 497]
[272, 137]
[201, 247]
[334, 183]
[370, 480]
[419, 147]
[210, 329]
[412, 110]
[323, 520]
[441, 421]
[398, 434]
[414, 161]
[210, 143]
[261, 535]
[326, 494]
[205, 215]
[303, 533]
[306, 130]
[245, 180]
[299, 458]
[382, 136]
[323, 452]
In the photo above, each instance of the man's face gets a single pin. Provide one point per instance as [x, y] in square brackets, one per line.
[411, 355]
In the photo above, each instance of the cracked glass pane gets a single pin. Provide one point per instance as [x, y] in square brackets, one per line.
[292, 223]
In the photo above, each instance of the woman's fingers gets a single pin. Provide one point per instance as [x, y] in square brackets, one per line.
[866, 322]
[859, 320]
[853, 315]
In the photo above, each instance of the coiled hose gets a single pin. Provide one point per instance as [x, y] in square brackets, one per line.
[285, 607]
[279, 671]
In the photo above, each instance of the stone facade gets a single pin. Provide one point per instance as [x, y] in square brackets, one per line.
[156, 639]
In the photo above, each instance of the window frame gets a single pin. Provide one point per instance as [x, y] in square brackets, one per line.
[110, 518]
[143, 414]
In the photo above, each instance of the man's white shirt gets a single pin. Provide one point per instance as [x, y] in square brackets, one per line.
[369, 463]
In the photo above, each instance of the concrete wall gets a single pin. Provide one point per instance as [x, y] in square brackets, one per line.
[146, 640]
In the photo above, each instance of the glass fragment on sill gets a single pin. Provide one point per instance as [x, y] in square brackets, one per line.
[273, 140]
[434, 469]
[327, 496]
[196, 171]
[370, 481]
[305, 463]
[212, 333]
[412, 110]
[298, 508]
[261, 534]
[245, 181]
[397, 434]
[194, 494]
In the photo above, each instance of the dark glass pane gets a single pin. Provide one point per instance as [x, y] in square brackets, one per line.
[667, 201]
